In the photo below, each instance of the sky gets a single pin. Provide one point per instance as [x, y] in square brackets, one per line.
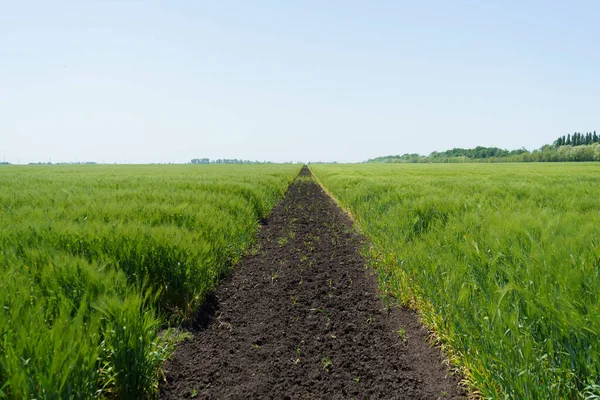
[167, 81]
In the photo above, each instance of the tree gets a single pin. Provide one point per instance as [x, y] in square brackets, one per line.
[558, 142]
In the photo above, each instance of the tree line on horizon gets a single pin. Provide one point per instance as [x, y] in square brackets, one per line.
[571, 147]
[223, 161]
[577, 139]
[232, 161]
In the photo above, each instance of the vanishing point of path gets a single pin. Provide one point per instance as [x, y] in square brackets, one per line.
[299, 317]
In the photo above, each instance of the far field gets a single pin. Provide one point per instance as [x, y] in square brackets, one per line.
[503, 262]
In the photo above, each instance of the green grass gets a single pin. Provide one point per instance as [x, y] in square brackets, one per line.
[94, 260]
[503, 262]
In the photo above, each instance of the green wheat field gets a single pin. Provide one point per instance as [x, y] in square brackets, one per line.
[502, 262]
[94, 260]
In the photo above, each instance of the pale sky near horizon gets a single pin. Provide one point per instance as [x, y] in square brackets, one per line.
[168, 81]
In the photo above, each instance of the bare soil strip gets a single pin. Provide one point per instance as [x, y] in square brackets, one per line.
[300, 318]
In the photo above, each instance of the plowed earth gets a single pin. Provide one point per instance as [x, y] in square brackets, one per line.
[299, 317]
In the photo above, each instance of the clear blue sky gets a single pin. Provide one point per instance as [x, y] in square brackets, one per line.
[167, 81]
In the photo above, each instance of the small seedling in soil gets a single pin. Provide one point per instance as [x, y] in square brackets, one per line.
[322, 311]
[282, 241]
[386, 304]
[294, 299]
[255, 249]
[356, 380]
[327, 364]
[194, 393]
[370, 319]
[298, 352]
[402, 334]
[274, 276]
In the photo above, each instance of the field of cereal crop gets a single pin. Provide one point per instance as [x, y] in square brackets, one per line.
[502, 261]
[95, 259]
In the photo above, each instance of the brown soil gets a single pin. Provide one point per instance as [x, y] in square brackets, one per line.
[300, 318]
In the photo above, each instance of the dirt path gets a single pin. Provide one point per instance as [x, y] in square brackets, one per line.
[300, 318]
